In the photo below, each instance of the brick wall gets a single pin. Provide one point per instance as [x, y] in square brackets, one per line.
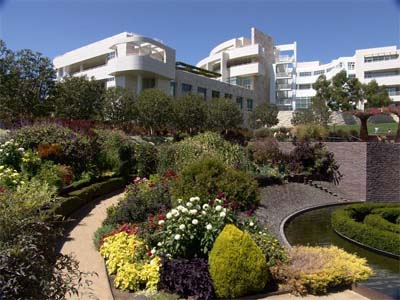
[383, 176]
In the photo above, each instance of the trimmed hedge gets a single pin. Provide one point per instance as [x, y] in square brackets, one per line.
[79, 198]
[378, 221]
[349, 221]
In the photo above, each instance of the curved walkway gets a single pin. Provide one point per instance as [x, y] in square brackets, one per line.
[79, 243]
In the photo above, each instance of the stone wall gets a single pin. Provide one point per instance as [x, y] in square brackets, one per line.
[383, 176]
[352, 160]
[371, 171]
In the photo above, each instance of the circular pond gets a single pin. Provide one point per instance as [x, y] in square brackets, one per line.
[314, 228]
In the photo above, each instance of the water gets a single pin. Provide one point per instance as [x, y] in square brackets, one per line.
[314, 228]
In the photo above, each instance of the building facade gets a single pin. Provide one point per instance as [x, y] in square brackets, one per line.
[250, 71]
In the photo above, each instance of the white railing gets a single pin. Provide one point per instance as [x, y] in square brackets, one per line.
[285, 58]
[284, 74]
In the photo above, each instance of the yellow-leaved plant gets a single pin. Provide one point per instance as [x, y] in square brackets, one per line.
[126, 257]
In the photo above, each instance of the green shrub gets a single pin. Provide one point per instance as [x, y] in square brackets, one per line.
[50, 173]
[378, 221]
[237, 265]
[178, 155]
[207, 177]
[79, 198]
[101, 232]
[146, 159]
[273, 251]
[316, 270]
[349, 222]
[310, 132]
[77, 150]
[116, 150]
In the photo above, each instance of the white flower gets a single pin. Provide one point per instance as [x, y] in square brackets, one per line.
[189, 204]
[182, 227]
[218, 207]
[159, 244]
[184, 210]
[21, 149]
[179, 200]
[169, 215]
[209, 226]
[180, 207]
[205, 206]
[177, 237]
[153, 251]
[195, 222]
[193, 211]
[161, 222]
[218, 200]
[194, 199]
[222, 214]
[203, 213]
[174, 212]
[251, 224]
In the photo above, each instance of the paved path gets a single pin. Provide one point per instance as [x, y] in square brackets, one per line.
[79, 243]
[345, 295]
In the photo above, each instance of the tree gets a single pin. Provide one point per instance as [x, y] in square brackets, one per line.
[265, 114]
[119, 105]
[375, 94]
[223, 114]
[27, 82]
[318, 113]
[190, 113]
[154, 109]
[79, 98]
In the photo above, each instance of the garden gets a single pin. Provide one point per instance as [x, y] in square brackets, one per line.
[185, 226]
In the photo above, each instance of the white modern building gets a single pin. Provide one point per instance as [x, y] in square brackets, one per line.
[380, 64]
[249, 71]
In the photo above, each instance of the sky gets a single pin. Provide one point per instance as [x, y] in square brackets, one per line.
[323, 30]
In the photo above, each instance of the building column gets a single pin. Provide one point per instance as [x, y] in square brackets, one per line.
[139, 84]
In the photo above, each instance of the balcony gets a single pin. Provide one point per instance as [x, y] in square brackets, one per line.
[284, 75]
[285, 59]
[253, 68]
[284, 86]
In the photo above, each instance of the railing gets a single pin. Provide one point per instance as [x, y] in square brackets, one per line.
[284, 74]
[285, 58]
[283, 86]
[394, 93]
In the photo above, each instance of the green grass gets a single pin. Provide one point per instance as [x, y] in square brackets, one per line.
[383, 128]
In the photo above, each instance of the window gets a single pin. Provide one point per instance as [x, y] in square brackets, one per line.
[239, 102]
[172, 90]
[249, 104]
[148, 83]
[350, 65]
[319, 72]
[304, 86]
[215, 94]
[393, 90]
[186, 88]
[110, 55]
[228, 96]
[245, 82]
[202, 91]
[329, 69]
[305, 74]
[351, 76]
[386, 73]
[241, 61]
[303, 102]
[369, 59]
[110, 79]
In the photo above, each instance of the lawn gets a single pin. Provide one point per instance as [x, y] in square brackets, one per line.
[383, 128]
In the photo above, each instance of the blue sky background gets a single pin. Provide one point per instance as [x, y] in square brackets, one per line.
[323, 29]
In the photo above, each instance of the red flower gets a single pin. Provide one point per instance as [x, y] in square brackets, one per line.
[160, 217]
[1, 191]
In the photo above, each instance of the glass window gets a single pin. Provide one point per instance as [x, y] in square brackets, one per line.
[186, 88]
[215, 94]
[110, 55]
[202, 91]
[319, 72]
[249, 104]
[369, 59]
[239, 102]
[382, 73]
[228, 96]
[303, 102]
[172, 88]
[303, 86]
[148, 83]
[351, 76]
[350, 65]
[304, 74]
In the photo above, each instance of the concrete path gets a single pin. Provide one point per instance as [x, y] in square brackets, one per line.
[345, 295]
[79, 243]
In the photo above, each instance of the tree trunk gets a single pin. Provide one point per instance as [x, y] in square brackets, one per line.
[397, 140]
[364, 128]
